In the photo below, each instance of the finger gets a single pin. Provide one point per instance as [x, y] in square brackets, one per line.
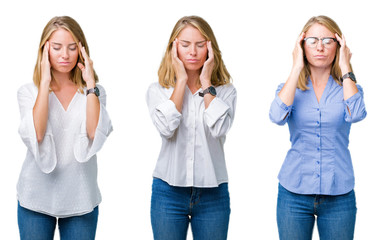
[46, 50]
[210, 50]
[341, 40]
[83, 52]
[81, 66]
[301, 37]
[174, 48]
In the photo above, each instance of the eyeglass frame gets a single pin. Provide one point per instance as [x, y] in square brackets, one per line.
[321, 39]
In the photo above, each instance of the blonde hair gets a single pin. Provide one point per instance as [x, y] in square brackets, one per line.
[166, 74]
[336, 73]
[69, 24]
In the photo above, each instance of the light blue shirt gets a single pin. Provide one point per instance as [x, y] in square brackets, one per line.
[319, 161]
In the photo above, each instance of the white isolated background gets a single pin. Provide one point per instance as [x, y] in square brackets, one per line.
[127, 40]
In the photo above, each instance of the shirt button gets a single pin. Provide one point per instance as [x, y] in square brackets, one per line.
[318, 162]
[318, 122]
[318, 135]
[318, 149]
[318, 175]
[317, 109]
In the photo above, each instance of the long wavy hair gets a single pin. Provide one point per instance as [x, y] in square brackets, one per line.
[166, 73]
[69, 24]
[336, 73]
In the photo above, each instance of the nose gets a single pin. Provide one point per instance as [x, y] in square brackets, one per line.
[193, 50]
[320, 45]
[65, 53]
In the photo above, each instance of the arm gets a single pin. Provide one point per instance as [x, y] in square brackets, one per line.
[165, 116]
[40, 109]
[349, 86]
[205, 76]
[43, 152]
[86, 148]
[287, 93]
[219, 116]
[92, 103]
[352, 93]
[179, 90]
[281, 106]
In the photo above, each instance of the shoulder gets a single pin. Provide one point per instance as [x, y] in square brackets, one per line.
[157, 88]
[226, 91]
[226, 88]
[157, 85]
[28, 89]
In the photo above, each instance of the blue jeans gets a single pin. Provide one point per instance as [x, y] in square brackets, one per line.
[173, 208]
[38, 226]
[296, 215]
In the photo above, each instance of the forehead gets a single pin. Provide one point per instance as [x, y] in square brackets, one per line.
[191, 34]
[319, 30]
[61, 36]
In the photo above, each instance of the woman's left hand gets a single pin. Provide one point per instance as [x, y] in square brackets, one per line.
[344, 55]
[87, 70]
[207, 68]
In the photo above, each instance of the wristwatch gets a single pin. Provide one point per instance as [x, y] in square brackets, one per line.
[210, 90]
[94, 90]
[349, 75]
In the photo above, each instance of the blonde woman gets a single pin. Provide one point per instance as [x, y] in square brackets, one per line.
[192, 106]
[64, 124]
[319, 101]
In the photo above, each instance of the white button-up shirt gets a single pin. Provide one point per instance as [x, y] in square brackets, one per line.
[192, 141]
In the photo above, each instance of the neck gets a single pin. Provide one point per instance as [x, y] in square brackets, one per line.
[319, 76]
[60, 79]
[193, 79]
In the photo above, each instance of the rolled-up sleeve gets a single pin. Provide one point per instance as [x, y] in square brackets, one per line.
[84, 148]
[219, 116]
[279, 112]
[163, 111]
[44, 152]
[355, 110]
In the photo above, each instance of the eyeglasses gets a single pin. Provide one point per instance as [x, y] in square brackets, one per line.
[312, 42]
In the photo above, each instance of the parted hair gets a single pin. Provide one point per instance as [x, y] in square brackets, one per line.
[166, 73]
[336, 73]
[69, 24]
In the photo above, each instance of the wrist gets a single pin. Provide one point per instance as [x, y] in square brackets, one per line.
[44, 84]
[205, 83]
[345, 69]
[90, 84]
[182, 81]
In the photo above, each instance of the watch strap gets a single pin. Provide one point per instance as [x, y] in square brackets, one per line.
[210, 90]
[94, 90]
[348, 75]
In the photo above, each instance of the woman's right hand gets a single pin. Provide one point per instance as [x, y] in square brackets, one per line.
[45, 66]
[298, 56]
[178, 65]
[287, 93]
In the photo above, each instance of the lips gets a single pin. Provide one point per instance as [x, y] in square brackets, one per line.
[192, 60]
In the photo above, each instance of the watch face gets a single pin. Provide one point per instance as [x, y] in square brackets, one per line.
[212, 91]
[97, 91]
[352, 76]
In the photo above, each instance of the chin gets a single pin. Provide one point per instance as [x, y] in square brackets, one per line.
[193, 67]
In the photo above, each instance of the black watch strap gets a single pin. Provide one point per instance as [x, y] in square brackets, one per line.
[211, 90]
[348, 75]
[94, 90]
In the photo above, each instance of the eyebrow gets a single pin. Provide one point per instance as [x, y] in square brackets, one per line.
[203, 41]
[68, 44]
